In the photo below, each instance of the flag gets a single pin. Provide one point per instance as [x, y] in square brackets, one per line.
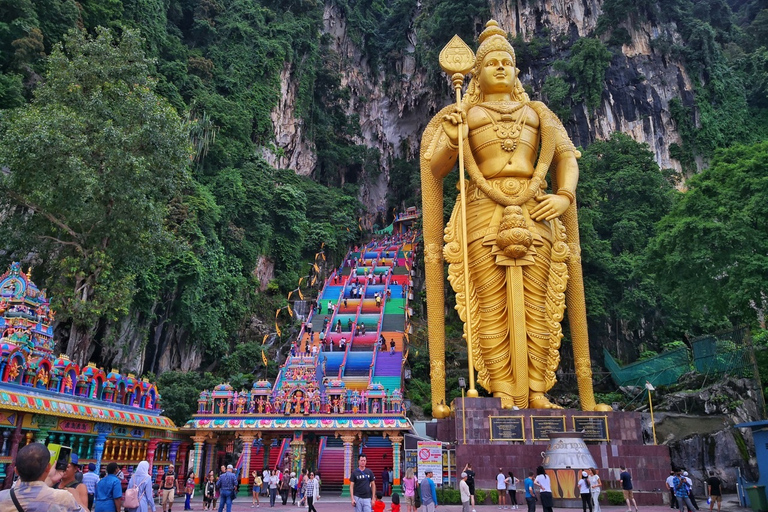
[317, 269]
[264, 358]
[301, 279]
[314, 280]
[290, 310]
[277, 328]
[265, 339]
[289, 295]
[300, 295]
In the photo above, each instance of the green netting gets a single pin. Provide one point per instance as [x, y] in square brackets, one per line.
[662, 370]
[725, 352]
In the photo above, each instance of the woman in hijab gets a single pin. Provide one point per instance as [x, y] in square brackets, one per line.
[143, 482]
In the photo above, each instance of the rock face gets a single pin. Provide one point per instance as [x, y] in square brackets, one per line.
[698, 428]
[394, 109]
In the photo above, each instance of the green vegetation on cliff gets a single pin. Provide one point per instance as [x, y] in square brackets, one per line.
[137, 178]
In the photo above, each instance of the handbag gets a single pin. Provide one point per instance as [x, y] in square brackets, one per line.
[417, 497]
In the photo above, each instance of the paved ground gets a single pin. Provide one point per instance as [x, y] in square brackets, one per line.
[334, 504]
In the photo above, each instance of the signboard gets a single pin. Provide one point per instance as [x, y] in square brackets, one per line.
[80, 427]
[541, 426]
[594, 428]
[430, 457]
[507, 428]
[129, 432]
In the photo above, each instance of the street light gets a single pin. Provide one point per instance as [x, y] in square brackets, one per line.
[463, 386]
[650, 388]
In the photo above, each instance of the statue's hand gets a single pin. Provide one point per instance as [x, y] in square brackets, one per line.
[451, 123]
[550, 207]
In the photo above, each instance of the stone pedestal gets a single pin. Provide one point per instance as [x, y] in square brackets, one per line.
[649, 464]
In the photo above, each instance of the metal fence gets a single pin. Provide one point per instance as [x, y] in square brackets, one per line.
[728, 352]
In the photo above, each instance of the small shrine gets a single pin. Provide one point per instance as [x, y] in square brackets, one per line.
[49, 399]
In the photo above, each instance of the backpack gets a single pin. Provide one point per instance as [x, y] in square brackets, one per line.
[132, 497]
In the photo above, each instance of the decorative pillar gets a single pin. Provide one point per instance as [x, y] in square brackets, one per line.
[397, 442]
[246, 467]
[151, 447]
[16, 438]
[41, 436]
[210, 454]
[348, 438]
[298, 452]
[98, 450]
[181, 472]
[173, 452]
[199, 441]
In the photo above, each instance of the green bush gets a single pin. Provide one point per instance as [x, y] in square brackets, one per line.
[480, 496]
[495, 497]
[448, 496]
[614, 497]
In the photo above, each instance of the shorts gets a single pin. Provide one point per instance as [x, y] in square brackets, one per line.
[410, 500]
[628, 494]
[471, 489]
[168, 496]
[257, 489]
[716, 499]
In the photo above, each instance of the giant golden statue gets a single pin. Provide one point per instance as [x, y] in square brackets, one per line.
[512, 246]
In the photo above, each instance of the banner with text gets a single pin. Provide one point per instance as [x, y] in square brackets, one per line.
[431, 459]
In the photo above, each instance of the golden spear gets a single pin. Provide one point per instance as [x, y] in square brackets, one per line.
[457, 59]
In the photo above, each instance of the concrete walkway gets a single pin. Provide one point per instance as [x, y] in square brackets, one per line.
[336, 504]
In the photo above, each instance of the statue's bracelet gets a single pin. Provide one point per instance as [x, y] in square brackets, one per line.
[567, 193]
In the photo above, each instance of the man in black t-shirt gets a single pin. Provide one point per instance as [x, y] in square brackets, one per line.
[716, 495]
[362, 486]
[470, 483]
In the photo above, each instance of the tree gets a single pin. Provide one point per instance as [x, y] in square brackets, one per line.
[92, 163]
[711, 251]
[622, 195]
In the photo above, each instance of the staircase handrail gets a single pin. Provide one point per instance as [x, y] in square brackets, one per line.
[320, 449]
[281, 453]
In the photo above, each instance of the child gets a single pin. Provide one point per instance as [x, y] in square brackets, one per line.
[395, 503]
[379, 505]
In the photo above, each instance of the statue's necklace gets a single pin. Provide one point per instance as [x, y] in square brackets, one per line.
[507, 128]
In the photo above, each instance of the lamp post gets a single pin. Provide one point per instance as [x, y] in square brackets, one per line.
[463, 386]
[650, 388]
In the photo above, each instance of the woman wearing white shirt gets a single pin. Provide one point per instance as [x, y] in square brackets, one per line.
[595, 485]
[585, 492]
[501, 488]
[545, 489]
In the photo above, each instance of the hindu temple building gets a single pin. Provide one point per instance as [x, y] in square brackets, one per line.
[103, 416]
[339, 391]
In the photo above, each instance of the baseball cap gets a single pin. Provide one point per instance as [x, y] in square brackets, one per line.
[91, 466]
[428, 472]
[463, 475]
[229, 466]
[74, 459]
[583, 473]
[685, 473]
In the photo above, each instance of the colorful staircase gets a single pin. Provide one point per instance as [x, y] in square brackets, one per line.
[364, 368]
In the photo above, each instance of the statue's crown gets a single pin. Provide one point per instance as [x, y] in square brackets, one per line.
[492, 39]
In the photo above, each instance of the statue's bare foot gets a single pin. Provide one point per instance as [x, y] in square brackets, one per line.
[539, 401]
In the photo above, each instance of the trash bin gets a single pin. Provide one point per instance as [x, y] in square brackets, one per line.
[757, 500]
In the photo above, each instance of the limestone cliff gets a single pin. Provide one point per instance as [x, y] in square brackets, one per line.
[393, 108]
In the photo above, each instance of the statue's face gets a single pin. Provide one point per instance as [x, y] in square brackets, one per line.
[497, 73]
